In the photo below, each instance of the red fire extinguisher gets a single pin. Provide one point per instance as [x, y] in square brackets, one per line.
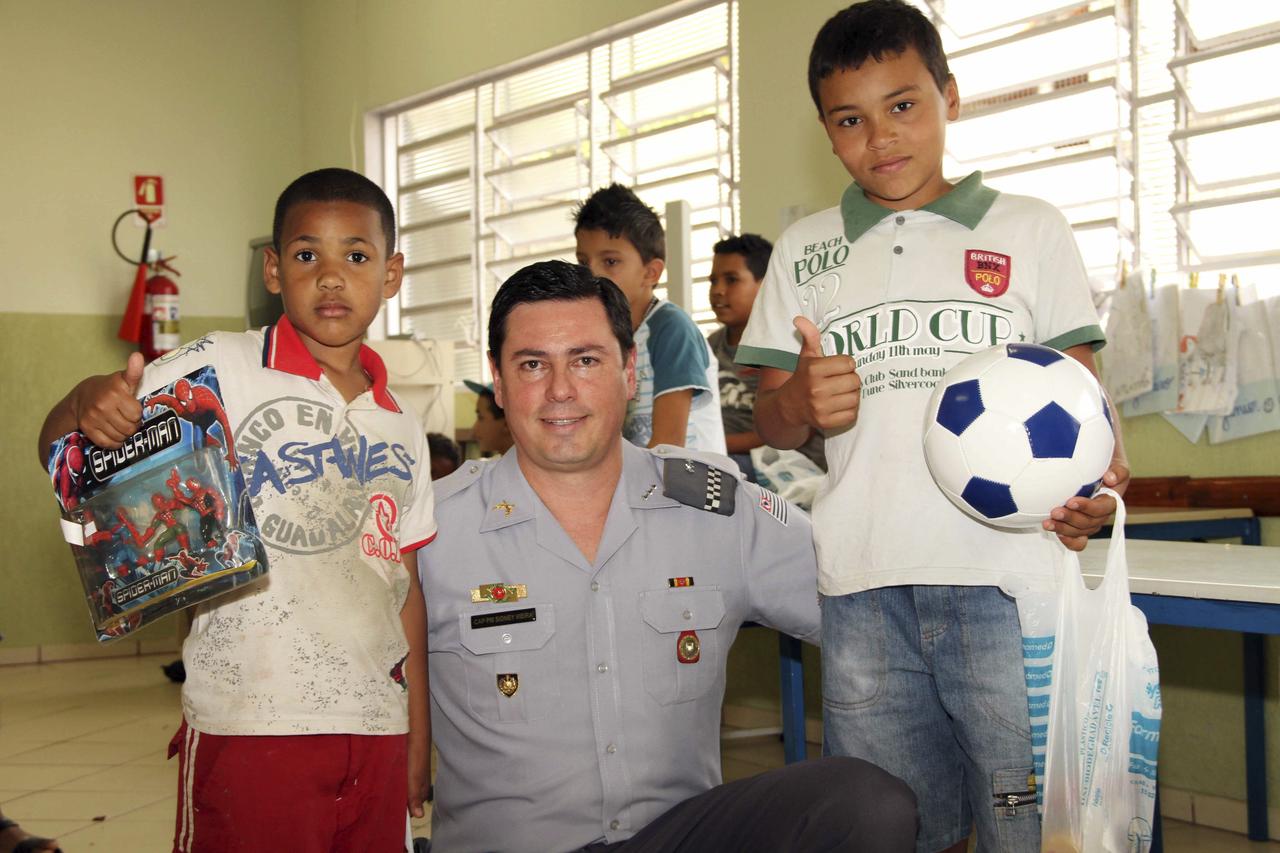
[151, 317]
[159, 332]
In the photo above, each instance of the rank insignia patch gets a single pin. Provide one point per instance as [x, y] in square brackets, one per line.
[699, 485]
[674, 582]
[987, 272]
[688, 647]
[508, 683]
[499, 593]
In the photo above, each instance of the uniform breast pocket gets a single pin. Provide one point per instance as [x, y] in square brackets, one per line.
[682, 655]
[511, 668]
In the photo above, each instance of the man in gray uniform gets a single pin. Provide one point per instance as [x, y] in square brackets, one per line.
[583, 594]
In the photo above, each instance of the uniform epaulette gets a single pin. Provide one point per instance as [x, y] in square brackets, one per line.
[696, 483]
[468, 473]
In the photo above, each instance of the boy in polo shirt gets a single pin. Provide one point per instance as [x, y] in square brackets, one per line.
[863, 307]
[305, 703]
[677, 397]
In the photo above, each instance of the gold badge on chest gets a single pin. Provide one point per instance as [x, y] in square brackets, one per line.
[688, 647]
[508, 683]
[499, 593]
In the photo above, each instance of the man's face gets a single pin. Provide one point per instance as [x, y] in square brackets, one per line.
[332, 272]
[733, 289]
[887, 124]
[618, 260]
[563, 383]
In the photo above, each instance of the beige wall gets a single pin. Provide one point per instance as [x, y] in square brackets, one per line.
[236, 97]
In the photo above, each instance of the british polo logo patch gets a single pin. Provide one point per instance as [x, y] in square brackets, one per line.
[987, 272]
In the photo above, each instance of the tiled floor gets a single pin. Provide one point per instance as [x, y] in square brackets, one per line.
[82, 757]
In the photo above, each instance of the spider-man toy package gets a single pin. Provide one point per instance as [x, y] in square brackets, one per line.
[163, 521]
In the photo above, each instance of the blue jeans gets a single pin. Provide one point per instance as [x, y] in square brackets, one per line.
[926, 682]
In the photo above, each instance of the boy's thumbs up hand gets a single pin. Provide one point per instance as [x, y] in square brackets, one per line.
[825, 390]
[810, 337]
[106, 407]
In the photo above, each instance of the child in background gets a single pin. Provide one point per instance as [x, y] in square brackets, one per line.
[490, 431]
[677, 397]
[305, 703]
[445, 455]
[737, 269]
[921, 650]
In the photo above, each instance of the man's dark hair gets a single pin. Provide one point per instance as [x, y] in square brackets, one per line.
[440, 445]
[872, 29]
[755, 251]
[335, 185]
[618, 212]
[558, 281]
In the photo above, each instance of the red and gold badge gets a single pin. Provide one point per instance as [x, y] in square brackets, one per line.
[688, 647]
[987, 272]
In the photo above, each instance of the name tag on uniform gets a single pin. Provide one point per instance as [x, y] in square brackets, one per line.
[507, 617]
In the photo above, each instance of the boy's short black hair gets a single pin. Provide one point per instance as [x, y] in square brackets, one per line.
[619, 212]
[335, 185]
[441, 446]
[755, 251]
[564, 282]
[872, 29]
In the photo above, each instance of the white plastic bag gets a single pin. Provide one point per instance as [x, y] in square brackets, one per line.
[1104, 715]
[790, 473]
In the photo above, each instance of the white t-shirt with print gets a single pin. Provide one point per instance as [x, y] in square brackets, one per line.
[338, 491]
[909, 294]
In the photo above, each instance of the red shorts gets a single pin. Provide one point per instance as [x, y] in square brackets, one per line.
[304, 793]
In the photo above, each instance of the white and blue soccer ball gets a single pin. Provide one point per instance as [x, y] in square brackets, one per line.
[1013, 431]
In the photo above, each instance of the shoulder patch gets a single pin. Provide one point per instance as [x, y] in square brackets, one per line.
[699, 485]
[773, 505]
[467, 475]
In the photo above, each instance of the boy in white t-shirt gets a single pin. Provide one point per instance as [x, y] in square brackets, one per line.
[863, 307]
[677, 398]
[305, 710]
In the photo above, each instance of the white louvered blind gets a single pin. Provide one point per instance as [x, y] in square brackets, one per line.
[485, 174]
[1153, 124]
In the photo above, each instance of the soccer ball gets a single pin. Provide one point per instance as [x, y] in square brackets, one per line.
[1013, 431]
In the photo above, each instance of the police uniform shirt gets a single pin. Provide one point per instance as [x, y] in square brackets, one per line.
[576, 701]
[339, 490]
[909, 294]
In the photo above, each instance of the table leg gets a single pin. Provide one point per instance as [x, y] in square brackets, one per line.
[1255, 746]
[793, 742]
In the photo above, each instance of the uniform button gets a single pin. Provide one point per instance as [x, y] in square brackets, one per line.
[474, 468]
[611, 749]
[900, 220]
[688, 614]
[603, 667]
[897, 250]
[595, 587]
[613, 824]
[506, 638]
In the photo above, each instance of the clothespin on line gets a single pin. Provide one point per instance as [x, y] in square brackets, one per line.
[1124, 273]
[1235, 284]
[1194, 280]
[1222, 286]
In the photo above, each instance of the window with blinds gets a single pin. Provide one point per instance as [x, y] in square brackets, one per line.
[486, 173]
[1152, 124]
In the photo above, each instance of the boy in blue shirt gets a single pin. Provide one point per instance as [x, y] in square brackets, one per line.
[677, 398]
[922, 656]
